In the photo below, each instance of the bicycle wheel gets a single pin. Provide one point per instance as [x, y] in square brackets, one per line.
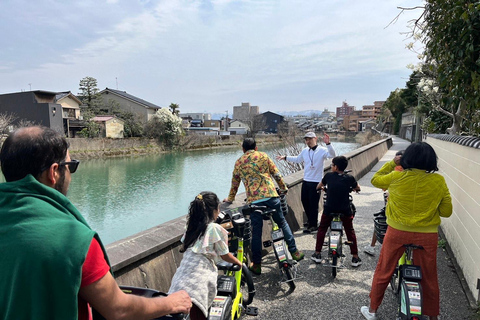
[334, 265]
[288, 273]
[246, 286]
[394, 281]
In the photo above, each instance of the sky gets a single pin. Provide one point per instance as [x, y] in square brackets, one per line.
[208, 56]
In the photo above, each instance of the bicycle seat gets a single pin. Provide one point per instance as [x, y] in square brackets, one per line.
[228, 266]
[413, 246]
[338, 214]
[265, 211]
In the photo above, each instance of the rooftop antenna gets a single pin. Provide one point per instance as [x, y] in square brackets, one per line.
[30, 85]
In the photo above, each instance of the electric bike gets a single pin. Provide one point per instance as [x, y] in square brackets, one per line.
[148, 293]
[335, 237]
[235, 288]
[288, 267]
[405, 283]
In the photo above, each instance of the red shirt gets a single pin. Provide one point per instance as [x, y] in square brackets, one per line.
[93, 269]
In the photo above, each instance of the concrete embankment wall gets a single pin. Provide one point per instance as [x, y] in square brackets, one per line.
[150, 258]
[82, 148]
[459, 163]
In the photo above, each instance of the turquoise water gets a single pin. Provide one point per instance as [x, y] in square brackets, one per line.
[122, 196]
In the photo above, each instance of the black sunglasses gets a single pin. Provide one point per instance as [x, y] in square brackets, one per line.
[72, 165]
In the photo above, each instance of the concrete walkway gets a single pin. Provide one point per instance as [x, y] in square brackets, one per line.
[318, 297]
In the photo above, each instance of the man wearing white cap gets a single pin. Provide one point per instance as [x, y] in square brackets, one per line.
[312, 157]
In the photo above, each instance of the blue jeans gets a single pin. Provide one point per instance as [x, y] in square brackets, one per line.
[257, 225]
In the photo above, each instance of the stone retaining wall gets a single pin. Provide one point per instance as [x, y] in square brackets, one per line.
[150, 258]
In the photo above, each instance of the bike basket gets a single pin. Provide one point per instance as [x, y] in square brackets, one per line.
[380, 213]
[283, 204]
[247, 232]
[380, 224]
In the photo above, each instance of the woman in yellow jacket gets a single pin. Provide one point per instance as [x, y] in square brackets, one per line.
[418, 198]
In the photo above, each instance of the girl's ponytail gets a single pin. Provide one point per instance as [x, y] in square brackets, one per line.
[200, 214]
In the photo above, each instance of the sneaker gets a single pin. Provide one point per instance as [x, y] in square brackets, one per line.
[356, 262]
[369, 250]
[298, 255]
[307, 230]
[313, 229]
[367, 314]
[256, 268]
[317, 257]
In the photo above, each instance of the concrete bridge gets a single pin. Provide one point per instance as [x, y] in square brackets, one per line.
[149, 259]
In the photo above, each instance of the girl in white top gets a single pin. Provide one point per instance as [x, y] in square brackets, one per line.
[204, 244]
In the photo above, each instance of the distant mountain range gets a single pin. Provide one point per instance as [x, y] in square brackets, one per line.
[218, 116]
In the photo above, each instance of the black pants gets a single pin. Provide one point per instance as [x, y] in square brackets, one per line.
[310, 199]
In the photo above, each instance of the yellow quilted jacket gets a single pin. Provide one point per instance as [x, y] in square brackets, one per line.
[417, 199]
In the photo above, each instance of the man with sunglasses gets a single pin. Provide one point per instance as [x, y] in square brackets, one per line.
[53, 265]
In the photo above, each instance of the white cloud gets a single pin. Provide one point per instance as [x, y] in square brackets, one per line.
[213, 55]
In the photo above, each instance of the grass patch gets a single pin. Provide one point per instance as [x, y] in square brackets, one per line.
[442, 243]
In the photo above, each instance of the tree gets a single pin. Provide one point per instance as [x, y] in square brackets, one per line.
[174, 108]
[450, 31]
[396, 104]
[164, 126]
[6, 120]
[133, 125]
[90, 95]
[91, 130]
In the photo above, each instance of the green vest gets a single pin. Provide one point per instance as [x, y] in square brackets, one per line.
[43, 243]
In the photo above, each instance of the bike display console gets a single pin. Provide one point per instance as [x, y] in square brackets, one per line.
[226, 286]
[411, 272]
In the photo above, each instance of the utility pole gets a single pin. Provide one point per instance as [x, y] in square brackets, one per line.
[30, 85]
[226, 121]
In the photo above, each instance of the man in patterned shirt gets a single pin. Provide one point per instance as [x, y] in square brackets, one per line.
[256, 170]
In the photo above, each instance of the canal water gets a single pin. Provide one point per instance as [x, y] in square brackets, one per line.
[122, 196]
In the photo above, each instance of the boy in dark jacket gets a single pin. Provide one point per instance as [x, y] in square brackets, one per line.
[339, 185]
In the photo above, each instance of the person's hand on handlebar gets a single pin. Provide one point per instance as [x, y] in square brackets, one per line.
[179, 302]
[282, 192]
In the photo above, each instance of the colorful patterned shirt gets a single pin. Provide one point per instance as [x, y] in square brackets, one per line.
[256, 170]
